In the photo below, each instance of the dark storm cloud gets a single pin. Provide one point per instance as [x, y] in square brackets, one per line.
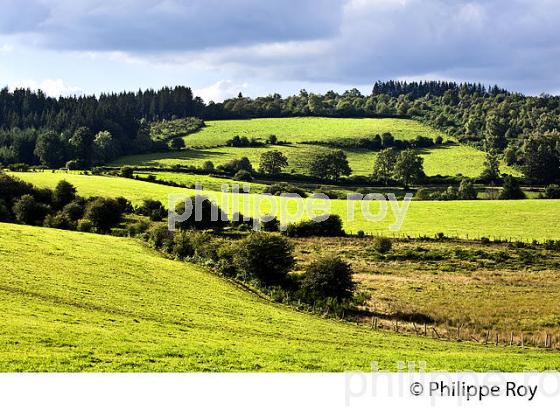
[515, 43]
[164, 25]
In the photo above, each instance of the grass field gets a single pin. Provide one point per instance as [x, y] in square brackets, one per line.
[302, 129]
[83, 302]
[207, 182]
[207, 144]
[521, 220]
[446, 160]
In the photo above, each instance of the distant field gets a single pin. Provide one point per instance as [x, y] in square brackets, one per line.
[447, 160]
[83, 302]
[207, 144]
[522, 220]
[301, 129]
[206, 182]
[491, 286]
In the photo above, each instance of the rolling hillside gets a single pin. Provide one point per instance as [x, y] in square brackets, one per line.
[208, 144]
[124, 307]
[522, 220]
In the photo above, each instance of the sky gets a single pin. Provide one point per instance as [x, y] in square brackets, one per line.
[260, 47]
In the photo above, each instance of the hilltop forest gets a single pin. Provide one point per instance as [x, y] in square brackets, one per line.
[36, 129]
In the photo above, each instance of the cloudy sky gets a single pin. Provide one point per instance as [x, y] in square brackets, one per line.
[222, 47]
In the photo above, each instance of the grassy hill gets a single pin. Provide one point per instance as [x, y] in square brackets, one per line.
[523, 220]
[301, 129]
[208, 144]
[83, 302]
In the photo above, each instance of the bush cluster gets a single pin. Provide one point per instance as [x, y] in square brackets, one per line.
[61, 208]
[332, 226]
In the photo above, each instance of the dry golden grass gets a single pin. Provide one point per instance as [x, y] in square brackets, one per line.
[495, 288]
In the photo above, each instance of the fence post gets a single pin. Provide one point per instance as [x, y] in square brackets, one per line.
[511, 339]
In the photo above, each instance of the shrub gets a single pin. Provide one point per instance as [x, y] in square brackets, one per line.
[159, 236]
[27, 210]
[5, 214]
[552, 192]
[124, 205]
[176, 144]
[243, 175]
[270, 224]
[204, 245]
[152, 209]
[236, 165]
[137, 228]
[328, 277]
[84, 225]
[284, 188]
[332, 226]
[127, 172]
[104, 214]
[207, 216]
[423, 194]
[75, 209]
[239, 219]
[59, 221]
[466, 190]
[12, 188]
[265, 257]
[208, 166]
[63, 194]
[361, 234]
[382, 244]
[182, 245]
[226, 263]
[75, 164]
[511, 189]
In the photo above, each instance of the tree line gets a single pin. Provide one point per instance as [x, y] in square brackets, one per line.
[523, 130]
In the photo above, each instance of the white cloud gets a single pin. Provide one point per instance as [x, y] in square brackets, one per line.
[51, 87]
[220, 90]
[6, 48]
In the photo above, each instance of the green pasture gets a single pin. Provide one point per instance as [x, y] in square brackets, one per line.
[300, 129]
[75, 302]
[520, 220]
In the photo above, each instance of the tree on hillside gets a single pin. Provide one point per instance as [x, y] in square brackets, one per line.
[328, 277]
[104, 214]
[50, 150]
[143, 140]
[409, 168]
[82, 141]
[541, 157]
[177, 143]
[491, 172]
[384, 165]
[329, 165]
[105, 147]
[466, 190]
[266, 257]
[511, 189]
[236, 165]
[63, 194]
[27, 210]
[272, 162]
